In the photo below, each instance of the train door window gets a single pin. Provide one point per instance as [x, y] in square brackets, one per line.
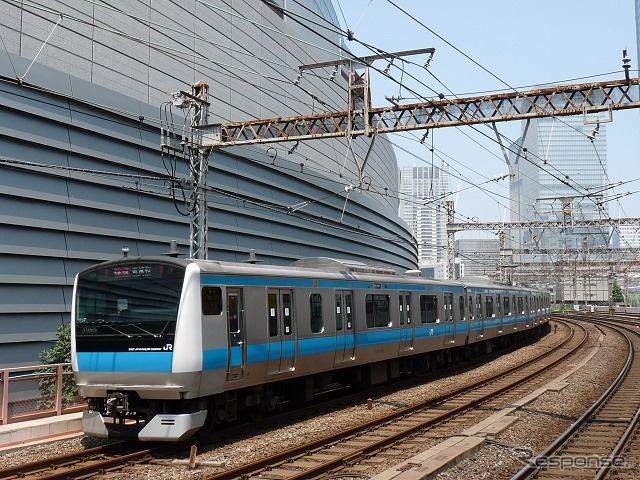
[488, 302]
[338, 312]
[526, 305]
[317, 322]
[520, 305]
[428, 308]
[287, 313]
[448, 307]
[407, 303]
[211, 300]
[272, 301]
[461, 308]
[404, 300]
[348, 312]
[470, 306]
[233, 312]
[498, 306]
[505, 305]
[479, 305]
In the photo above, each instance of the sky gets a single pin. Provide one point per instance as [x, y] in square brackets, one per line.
[492, 46]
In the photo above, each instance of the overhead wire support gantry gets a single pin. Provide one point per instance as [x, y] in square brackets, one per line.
[361, 119]
[561, 100]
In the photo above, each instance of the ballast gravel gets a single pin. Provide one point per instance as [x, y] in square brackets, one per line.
[538, 423]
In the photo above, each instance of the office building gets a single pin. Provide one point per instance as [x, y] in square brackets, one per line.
[480, 256]
[559, 176]
[424, 191]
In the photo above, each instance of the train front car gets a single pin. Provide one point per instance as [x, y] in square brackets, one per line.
[136, 348]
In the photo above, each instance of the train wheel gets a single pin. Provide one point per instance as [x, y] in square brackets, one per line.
[210, 421]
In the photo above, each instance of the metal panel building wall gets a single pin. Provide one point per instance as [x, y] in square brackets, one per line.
[82, 175]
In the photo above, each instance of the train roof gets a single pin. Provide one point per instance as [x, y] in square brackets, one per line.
[322, 267]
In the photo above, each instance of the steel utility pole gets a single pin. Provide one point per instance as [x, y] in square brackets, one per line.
[197, 104]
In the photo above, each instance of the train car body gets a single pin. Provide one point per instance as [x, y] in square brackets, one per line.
[164, 347]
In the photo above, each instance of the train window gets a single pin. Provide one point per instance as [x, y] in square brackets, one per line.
[272, 300]
[526, 305]
[488, 303]
[338, 312]
[404, 306]
[520, 305]
[287, 313]
[448, 307]
[479, 305]
[498, 306]
[317, 323]
[471, 313]
[461, 308]
[505, 305]
[404, 300]
[428, 308]
[233, 312]
[211, 301]
[348, 301]
[377, 310]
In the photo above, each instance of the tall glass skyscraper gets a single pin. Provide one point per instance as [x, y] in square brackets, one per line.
[424, 191]
[560, 175]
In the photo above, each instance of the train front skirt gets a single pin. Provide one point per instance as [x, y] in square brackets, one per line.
[161, 428]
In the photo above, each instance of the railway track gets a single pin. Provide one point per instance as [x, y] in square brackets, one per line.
[353, 452]
[349, 452]
[604, 441]
[110, 458]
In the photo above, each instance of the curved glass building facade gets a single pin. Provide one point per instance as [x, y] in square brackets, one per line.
[85, 88]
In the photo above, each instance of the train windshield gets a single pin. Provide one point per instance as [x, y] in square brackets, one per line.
[129, 299]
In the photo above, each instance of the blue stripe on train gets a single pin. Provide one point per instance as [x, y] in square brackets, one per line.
[134, 362]
[215, 359]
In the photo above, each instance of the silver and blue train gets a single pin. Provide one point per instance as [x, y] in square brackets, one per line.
[165, 347]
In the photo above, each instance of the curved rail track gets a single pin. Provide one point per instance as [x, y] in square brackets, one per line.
[603, 442]
[340, 452]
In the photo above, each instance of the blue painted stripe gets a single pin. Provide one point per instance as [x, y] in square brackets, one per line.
[422, 287]
[135, 362]
[236, 356]
[281, 282]
[316, 346]
[372, 338]
[257, 353]
[260, 281]
[214, 359]
[344, 284]
[217, 358]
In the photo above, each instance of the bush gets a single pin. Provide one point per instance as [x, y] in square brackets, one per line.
[59, 353]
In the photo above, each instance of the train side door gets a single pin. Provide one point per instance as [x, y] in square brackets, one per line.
[235, 328]
[499, 315]
[345, 333]
[449, 325]
[281, 356]
[405, 321]
[479, 316]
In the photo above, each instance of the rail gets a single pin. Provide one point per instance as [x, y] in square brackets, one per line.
[38, 391]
